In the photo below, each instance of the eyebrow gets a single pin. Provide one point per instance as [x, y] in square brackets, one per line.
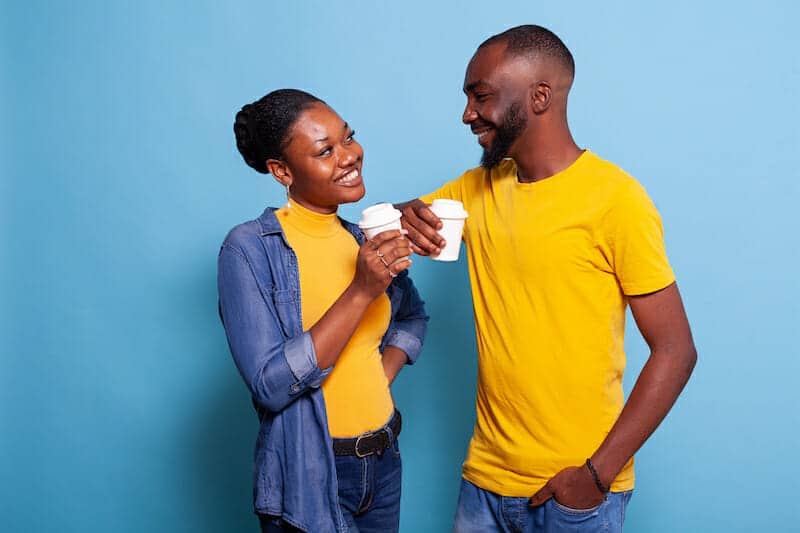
[471, 87]
[324, 139]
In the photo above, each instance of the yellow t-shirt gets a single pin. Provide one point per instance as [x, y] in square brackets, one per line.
[550, 263]
[357, 395]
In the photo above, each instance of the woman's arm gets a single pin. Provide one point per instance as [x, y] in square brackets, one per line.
[410, 323]
[404, 339]
[333, 331]
[275, 371]
[393, 360]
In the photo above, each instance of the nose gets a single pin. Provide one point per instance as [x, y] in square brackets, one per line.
[469, 115]
[348, 156]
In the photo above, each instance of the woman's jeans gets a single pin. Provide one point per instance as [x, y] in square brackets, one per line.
[481, 511]
[369, 493]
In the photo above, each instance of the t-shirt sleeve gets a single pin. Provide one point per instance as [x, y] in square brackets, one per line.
[637, 244]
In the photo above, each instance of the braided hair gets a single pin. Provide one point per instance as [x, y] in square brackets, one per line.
[262, 128]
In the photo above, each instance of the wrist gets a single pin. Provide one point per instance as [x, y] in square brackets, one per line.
[601, 486]
[600, 475]
[358, 295]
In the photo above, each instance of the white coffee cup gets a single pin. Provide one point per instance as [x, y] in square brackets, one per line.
[379, 218]
[452, 215]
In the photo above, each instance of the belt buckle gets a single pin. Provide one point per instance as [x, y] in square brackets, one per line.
[358, 440]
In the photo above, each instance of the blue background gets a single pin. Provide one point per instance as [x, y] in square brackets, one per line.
[121, 409]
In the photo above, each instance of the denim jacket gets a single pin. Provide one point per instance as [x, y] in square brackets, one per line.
[259, 301]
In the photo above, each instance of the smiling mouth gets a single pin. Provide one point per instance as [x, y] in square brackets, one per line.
[351, 178]
[482, 133]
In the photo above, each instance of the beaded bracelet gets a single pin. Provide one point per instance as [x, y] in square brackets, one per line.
[597, 482]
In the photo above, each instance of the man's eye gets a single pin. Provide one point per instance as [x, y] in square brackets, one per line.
[481, 97]
[350, 137]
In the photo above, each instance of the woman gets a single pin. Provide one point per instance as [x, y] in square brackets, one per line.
[319, 321]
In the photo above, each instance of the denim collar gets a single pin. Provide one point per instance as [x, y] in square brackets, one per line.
[269, 222]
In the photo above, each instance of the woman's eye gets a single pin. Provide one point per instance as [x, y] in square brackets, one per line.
[325, 151]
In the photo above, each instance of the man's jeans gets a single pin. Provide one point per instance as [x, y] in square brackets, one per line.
[481, 511]
[369, 493]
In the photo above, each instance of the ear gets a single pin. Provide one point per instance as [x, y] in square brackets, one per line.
[541, 95]
[280, 171]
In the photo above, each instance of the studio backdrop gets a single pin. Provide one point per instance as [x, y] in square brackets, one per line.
[120, 406]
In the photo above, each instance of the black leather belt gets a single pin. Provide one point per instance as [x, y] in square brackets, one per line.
[369, 443]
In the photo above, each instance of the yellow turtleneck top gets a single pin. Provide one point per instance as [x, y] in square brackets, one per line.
[357, 394]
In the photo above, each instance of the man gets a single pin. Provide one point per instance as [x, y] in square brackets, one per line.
[559, 241]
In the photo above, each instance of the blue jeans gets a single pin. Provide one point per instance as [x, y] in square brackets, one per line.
[481, 511]
[369, 493]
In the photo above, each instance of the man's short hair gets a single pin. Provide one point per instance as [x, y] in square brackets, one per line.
[534, 41]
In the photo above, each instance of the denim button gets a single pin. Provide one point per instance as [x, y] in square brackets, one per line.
[295, 388]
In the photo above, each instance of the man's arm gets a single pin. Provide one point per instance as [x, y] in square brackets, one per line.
[662, 321]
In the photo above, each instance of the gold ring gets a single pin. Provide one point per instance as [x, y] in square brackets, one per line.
[381, 257]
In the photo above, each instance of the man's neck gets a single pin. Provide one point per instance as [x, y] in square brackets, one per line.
[544, 155]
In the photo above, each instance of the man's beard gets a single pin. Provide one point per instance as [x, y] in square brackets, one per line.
[514, 122]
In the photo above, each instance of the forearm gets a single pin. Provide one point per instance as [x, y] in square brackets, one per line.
[410, 323]
[661, 381]
[393, 360]
[332, 332]
[412, 202]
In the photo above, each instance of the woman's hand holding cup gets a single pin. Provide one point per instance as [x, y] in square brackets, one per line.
[380, 260]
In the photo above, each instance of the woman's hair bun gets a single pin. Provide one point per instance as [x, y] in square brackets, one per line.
[246, 142]
[261, 128]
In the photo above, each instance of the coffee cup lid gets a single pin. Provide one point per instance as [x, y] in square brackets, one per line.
[445, 208]
[378, 215]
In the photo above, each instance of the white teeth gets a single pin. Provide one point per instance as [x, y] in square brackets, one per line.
[350, 176]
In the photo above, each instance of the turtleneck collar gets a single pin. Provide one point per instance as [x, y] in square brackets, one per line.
[308, 221]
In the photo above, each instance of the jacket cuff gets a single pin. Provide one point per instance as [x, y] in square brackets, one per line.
[302, 361]
[407, 342]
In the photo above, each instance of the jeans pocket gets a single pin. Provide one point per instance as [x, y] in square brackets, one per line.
[574, 512]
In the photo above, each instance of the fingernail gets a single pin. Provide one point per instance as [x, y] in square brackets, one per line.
[404, 231]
